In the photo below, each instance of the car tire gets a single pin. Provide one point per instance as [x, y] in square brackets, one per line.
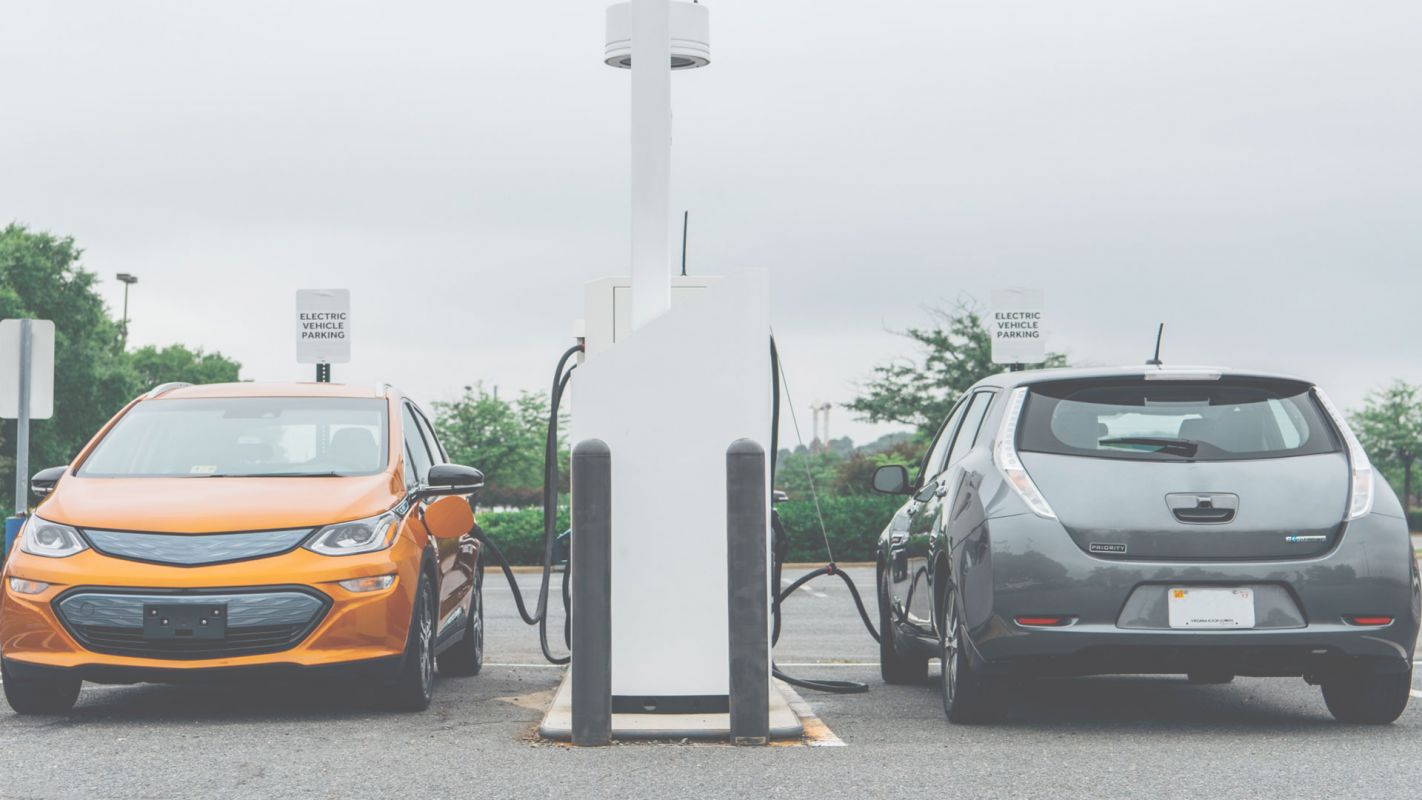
[895, 667]
[1209, 677]
[40, 695]
[970, 697]
[466, 657]
[1368, 698]
[413, 686]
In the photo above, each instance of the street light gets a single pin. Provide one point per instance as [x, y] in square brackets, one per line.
[128, 280]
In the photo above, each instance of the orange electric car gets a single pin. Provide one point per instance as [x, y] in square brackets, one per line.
[240, 529]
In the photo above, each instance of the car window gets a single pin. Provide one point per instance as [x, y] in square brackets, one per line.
[968, 431]
[933, 463]
[436, 449]
[1231, 419]
[244, 437]
[415, 444]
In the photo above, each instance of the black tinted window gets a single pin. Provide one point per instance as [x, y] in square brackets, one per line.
[1223, 420]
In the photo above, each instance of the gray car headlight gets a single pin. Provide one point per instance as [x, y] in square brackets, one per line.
[50, 539]
[357, 536]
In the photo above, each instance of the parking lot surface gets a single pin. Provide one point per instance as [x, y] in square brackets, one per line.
[1146, 737]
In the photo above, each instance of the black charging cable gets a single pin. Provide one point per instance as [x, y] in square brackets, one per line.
[550, 524]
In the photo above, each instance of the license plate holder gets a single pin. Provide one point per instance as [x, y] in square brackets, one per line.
[164, 621]
[1210, 608]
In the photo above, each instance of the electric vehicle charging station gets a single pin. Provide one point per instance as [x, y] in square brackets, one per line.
[675, 382]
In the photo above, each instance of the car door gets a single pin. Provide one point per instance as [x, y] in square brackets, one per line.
[950, 487]
[455, 570]
[908, 546]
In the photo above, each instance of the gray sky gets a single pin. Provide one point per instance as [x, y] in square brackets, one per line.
[1248, 173]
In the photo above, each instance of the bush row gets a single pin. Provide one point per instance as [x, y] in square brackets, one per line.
[852, 525]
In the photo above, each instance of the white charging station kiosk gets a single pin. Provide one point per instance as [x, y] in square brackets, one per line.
[674, 371]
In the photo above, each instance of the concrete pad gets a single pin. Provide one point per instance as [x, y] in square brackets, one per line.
[558, 722]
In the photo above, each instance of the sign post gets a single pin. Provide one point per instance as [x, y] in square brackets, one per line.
[26, 393]
[1016, 325]
[323, 329]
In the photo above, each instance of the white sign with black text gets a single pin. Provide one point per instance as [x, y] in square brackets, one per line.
[323, 326]
[1015, 323]
[40, 363]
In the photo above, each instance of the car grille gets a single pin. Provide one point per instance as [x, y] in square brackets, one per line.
[194, 549]
[260, 621]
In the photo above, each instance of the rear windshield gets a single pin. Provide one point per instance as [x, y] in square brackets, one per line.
[1230, 419]
[244, 437]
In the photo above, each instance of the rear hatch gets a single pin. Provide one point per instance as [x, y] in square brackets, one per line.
[1227, 467]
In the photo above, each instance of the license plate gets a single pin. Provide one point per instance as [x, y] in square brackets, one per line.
[1211, 608]
[185, 621]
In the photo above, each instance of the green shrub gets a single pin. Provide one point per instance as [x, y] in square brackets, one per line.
[852, 523]
[1414, 520]
[519, 533]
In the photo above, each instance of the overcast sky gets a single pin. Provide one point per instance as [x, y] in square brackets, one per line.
[1246, 172]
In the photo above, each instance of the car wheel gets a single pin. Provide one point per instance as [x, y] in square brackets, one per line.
[40, 695]
[413, 687]
[894, 666]
[1206, 677]
[466, 657]
[1368, 698]
[970, 697]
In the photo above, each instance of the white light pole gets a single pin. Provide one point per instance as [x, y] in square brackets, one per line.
[653, 37]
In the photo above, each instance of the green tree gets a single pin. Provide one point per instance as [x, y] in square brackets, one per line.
[955, 351]
[505, 439]
[40, 278]
[177, 363]
[1389, 425]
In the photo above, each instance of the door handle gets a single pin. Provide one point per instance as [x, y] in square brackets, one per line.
[910, 511]
[898, 538]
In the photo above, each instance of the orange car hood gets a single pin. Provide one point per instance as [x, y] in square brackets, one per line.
[211, 505]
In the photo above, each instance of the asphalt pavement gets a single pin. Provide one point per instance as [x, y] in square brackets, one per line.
[1139, 737]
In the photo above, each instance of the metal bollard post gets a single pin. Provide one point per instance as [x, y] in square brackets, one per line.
[591, 613]
[748, 596]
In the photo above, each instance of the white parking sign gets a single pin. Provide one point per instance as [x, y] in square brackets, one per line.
[323, 326]
[1015, 322]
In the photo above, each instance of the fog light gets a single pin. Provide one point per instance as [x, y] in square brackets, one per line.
[22, 586]
[374, 584]
[1374, 620]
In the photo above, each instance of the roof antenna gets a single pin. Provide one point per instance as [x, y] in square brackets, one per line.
[1159, 332]
[685, 220]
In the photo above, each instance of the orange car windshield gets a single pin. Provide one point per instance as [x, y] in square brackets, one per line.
[244, 437]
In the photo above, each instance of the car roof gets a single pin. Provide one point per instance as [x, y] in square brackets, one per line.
[1027, 377]
[182, 391]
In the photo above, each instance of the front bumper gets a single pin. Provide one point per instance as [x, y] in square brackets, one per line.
[344, 627]
[1027, 566]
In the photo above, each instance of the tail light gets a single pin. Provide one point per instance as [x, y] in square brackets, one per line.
[1005, 456]
[1371, 621]
[1360, 501]
[1042, 622]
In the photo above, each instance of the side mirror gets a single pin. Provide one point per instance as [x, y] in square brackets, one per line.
[778, 496]
[891, 479]
[453, 479]
[43, 482]
[449, 517]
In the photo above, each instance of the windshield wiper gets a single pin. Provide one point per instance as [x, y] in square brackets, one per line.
[1177, 447]
[272, 475]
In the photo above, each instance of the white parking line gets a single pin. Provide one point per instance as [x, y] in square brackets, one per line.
[804, 588]
[1416, 693]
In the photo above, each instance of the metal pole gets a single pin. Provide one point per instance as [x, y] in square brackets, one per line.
[22, 424]
[123, 340]
[651, 160]
[591, 612]
[748, 594]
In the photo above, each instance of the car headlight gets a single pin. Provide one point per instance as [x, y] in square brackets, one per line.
[50, 539]
[357, 536]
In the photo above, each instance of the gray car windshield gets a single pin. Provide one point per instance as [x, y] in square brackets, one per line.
[244, 437]
[1226, 420]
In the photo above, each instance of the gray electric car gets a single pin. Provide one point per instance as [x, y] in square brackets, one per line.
[1200, 521]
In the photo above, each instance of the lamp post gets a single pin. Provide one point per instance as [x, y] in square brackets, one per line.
[128, 280]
